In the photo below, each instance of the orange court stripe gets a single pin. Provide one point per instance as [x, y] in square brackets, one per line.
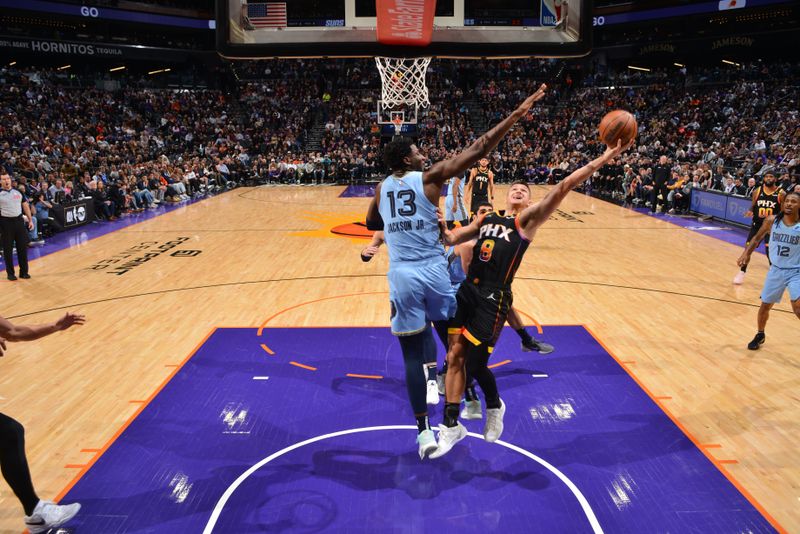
[535, 322]
[694, 440]
[303, 366]
[267, 349]
[271, 317]
[375, 377]
[130, 420]
[498, 364]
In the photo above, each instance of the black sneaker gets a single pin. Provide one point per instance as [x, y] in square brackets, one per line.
[25, 276]
[12, 277]
[757, 341]
[537, 346]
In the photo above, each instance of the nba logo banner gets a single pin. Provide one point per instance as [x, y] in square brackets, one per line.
[552, 12]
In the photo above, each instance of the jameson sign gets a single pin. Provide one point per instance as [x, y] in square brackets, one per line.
[60, 47]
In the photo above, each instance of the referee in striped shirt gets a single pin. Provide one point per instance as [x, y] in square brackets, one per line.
[12, 226]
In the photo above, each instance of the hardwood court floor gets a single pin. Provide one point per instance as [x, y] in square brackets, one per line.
[659, 296]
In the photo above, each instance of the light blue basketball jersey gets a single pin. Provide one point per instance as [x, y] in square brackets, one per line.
[454, 267]
[784, 245]
[410, 224]
[461, 211]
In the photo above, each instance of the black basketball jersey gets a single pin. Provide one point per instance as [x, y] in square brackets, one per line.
[765, 205]
[480, 184]
[497, 254]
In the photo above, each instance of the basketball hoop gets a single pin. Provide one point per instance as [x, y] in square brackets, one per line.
[398, 124]
[403, 80]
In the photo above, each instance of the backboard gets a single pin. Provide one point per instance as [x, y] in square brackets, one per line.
[346, 28]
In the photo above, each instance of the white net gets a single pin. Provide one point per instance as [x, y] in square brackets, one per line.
[403, 80]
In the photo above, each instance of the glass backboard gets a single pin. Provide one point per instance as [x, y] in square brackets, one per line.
[346, 28]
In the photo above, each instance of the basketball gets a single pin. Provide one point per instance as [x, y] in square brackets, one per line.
[618, 124]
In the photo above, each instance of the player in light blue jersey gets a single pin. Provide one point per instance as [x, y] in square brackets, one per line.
[405, 209]
[784, 253]
[455, 211]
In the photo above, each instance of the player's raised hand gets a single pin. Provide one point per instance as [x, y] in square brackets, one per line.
[70, 319]
[535, 97]
[614, 151]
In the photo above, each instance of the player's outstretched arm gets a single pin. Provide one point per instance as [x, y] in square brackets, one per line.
[370, 250]
[456, 166]
[534, 216]
[12, 332]
[463, 233]
[766, 226]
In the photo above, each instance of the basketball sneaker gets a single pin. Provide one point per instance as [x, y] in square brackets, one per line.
[427, 443]
[432, 396]
[448, 436]
[440, 383]
[48, 514]
[537, 346]
[494, 423]
[757, 341]
[739, 278]
[472, 410]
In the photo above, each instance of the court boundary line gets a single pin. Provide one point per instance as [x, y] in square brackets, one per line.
[697, 443]
[220, 505]
[341, 276]
[132, 418]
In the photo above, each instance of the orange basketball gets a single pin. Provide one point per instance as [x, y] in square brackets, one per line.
[618, 124]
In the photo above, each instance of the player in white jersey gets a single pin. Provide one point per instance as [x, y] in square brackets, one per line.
[784, 253]
[405, 209]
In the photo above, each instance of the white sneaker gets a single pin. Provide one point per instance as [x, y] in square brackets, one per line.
[48, 514]
[427, 443]
[440, 383]
[494, 423]
[739, 278]
[448, 436]
[433, 393]
[472, 410]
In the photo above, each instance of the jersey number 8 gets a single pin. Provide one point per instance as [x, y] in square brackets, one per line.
[486, 250]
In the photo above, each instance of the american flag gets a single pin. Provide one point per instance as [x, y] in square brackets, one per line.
[268, 15]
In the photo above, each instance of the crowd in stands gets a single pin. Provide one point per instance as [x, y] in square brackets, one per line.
[133, 148]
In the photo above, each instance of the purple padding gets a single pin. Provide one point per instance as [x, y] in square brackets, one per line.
[167, 471]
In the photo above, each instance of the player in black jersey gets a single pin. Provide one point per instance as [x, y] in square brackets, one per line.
[484, 298]
[481, 185]
[767, 201]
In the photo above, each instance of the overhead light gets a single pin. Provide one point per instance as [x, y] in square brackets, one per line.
[638, 68]
[729, 62]
[116, 69]
[159, 71]
[12, 63]
[678, 65]
[63, 67]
